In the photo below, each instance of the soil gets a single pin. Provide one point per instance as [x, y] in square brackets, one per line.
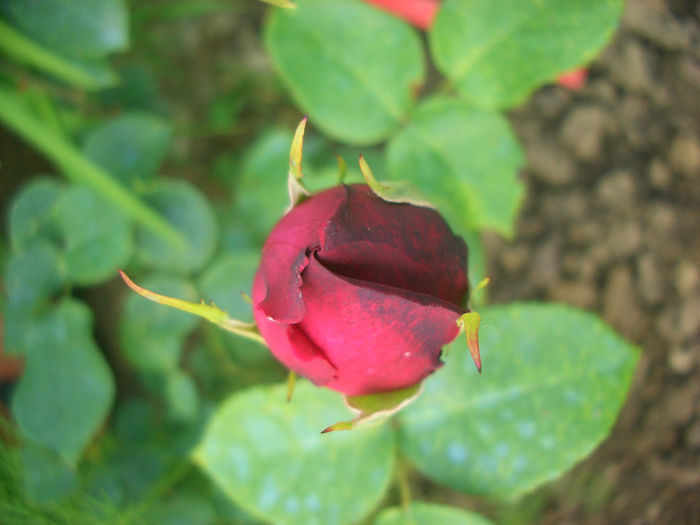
[611, 223]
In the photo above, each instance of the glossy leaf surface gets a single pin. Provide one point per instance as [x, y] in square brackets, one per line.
[185, 208]
[97, 236]
[554, 380]
[130, 147]
[327, 53]
[464, 161]
[227, 279]
[67, 388]
[496, 52]
[79, 28]
[269, 457]
[32, 211]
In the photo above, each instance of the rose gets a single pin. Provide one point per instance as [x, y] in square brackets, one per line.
[359, 294]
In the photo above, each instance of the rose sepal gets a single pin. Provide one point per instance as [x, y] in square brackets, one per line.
[401, 192]
[372, 409]
[469, 322]
[210, 312]
[295, 186]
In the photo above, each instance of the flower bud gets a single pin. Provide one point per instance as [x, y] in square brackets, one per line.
[359, 294]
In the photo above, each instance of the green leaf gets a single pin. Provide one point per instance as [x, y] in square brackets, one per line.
[93, 235]
[261, 192]
[553, 382]
[32, 211]
[152, 335]
[183, 509]
[48, 477]
[134, 422]
[496, 52]
[268, 456]
[130, 147]
[464, 160]
[32, 277]
[182, 396]
[67, 388]
[351, 67]
[186, 209]
[97, 235]
[419, 513]
[137, 90]
[79, 28]
[228, 277]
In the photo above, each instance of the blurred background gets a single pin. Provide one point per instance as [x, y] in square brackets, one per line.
[610, 223]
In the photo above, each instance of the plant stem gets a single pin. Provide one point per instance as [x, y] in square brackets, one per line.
[402, 482]
[26, 51]
[78, 168]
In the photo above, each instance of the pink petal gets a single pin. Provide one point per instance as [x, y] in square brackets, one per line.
[276, 288]
[277, 285]
[379, 338]
[420, 13]
[399, 245]
[291, 346]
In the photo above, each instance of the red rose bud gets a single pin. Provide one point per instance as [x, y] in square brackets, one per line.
[359, 294]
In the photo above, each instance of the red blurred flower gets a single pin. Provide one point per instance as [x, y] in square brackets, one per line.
[574, 79]
[359, 294]
[419, 13]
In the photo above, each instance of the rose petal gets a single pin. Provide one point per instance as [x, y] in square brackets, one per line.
[291, 346]
[379, 338]
[278, 279]
[399, 245]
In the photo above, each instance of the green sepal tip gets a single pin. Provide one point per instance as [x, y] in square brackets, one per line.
[376, 408]
[393, 191]
[210, 312]
[470, 322]
[295, 186]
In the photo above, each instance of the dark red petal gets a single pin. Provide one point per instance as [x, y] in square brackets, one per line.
[379, 338]
[277, 282]
[290, 345]
[399, 245]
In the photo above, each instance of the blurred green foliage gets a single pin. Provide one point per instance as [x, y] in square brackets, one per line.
[129, 412]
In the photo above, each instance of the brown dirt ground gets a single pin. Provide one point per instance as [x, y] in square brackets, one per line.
[611, 223]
